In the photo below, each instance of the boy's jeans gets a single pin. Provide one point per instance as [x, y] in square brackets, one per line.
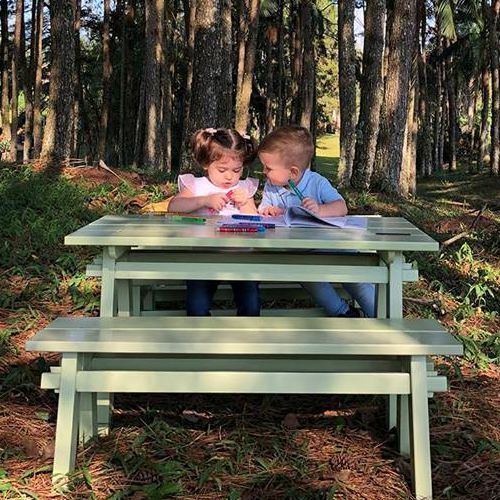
[200, 294]
[327, 297]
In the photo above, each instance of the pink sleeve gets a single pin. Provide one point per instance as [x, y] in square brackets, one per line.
[186, 181]
[251, 185]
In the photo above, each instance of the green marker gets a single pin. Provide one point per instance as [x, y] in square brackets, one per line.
[189, 220]
[295, 189]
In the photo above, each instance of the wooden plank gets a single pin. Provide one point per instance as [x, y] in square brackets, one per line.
[244, 382]
[382, 234]
[252, 336]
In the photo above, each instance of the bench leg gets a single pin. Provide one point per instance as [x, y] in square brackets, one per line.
[420, 441]
[104, 404]
[88, 410]
[392, 411]
[67, 420]
[403, 419]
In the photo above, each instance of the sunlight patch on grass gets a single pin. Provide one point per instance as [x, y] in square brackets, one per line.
[327, 156]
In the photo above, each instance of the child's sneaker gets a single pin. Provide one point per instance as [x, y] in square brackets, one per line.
[350, 313]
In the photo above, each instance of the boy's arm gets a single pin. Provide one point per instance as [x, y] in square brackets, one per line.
[337, 208]
[266, 206]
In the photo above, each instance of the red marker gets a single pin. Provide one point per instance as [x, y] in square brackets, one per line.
[230, 193]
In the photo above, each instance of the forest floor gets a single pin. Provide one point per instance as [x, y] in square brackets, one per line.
[237, 446]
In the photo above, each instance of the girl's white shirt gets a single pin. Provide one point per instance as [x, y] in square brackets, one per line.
[201, 186]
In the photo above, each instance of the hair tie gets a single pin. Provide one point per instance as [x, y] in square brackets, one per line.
[246, 136]
[211, 130]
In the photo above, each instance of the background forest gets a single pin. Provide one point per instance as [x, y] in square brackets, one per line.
[129, 81]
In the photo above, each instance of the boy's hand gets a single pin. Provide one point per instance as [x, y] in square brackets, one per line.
[272, 211]
[216, 201]
[311, 205]
[239, 197]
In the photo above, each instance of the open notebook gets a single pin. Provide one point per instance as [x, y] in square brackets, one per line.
[301, 217]
[298, 216]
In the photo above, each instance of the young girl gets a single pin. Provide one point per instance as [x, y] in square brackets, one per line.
[222, 154]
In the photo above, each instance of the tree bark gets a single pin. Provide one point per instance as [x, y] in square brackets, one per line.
[483, 139]
[106, 81]
[206, 75]
[123, 64]
[400, 47]
[308, 67]
[77, 80]
[347, 89]
[243, 98]
[153, 154]
[371, 95]
[28, 89]
[269, 77]
[226, 86]
[243, 14]
[296, 48]
[5, 70]
[493, 16]
[167, 70]
[281, 98]
[37, 92]
[56, 139]
[452, 113]
[16, 76]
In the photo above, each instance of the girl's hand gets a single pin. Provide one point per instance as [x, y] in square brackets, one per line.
[216, 201]
[311, 205]
[239, 197]
[272, 211]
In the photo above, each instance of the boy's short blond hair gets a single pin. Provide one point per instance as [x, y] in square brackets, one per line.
[294, 144]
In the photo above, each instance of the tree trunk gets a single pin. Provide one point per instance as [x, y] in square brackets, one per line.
[296, 48]
[106, 81]
[308, 67]
[371, 95]
[493, 16]
[452, 113]
[56, 139]
[243, 99]
[347, 89]
[123, 64]
[438, 108]
[424, 114]
[206, 75]
[400, 43]
[243, 13]
[226, 83]
[153, 154]
[166, 84]
[37, 93]
[281, 98]
[444, 127]
[408, 178]
[28, 89]
[16, 76]
[269, 77]
[77, 80]
[5, 70]
[483, 140]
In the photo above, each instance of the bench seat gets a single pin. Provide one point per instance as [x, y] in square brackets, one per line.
[241, 355]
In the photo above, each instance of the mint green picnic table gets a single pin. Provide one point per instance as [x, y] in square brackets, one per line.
[192, 251]
[156, 248]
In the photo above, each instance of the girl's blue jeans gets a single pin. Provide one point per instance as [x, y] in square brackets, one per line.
[325, 295]
[200, 295]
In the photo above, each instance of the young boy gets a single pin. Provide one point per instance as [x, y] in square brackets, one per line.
[286, 154]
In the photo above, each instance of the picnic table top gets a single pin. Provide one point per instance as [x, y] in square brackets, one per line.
[381, 234]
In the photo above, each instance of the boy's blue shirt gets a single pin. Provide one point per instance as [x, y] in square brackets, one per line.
[311, 185]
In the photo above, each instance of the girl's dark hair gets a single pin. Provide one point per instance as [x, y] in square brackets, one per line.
[209, 145]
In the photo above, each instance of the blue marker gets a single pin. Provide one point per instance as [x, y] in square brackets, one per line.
[247, 217]
[295, 189]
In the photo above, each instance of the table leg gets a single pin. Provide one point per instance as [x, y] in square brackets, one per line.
[123, 294]
[420, 441]
[67, 420]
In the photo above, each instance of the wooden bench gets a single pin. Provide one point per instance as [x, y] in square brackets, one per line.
[240, 355]
[138, 293]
